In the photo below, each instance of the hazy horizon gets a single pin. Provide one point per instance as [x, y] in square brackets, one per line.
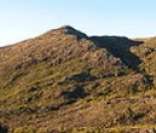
[22, 20]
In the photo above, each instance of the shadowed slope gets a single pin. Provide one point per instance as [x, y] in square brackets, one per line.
[120, 47]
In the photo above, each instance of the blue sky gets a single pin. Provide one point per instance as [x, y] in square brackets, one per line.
[22, 19]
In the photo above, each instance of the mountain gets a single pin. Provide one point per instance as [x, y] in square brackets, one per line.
[64, 81]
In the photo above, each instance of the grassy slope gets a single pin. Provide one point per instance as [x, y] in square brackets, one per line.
[67, 81]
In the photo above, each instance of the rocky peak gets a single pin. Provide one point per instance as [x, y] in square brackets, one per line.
[68, 30]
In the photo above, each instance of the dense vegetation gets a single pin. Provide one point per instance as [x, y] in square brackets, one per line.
[66, 82]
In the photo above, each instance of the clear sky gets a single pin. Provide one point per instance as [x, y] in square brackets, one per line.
[22, 19]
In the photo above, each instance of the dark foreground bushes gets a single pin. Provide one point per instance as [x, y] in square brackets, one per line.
[3, 129]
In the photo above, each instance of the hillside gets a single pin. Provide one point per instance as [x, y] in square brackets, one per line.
[64, 81]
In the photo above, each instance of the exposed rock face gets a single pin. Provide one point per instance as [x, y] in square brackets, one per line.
[69, 79]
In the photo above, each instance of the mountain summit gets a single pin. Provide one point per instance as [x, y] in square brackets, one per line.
[64, 80]
[68, 30]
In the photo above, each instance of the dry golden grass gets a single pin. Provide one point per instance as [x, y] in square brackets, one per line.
[64, 81]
